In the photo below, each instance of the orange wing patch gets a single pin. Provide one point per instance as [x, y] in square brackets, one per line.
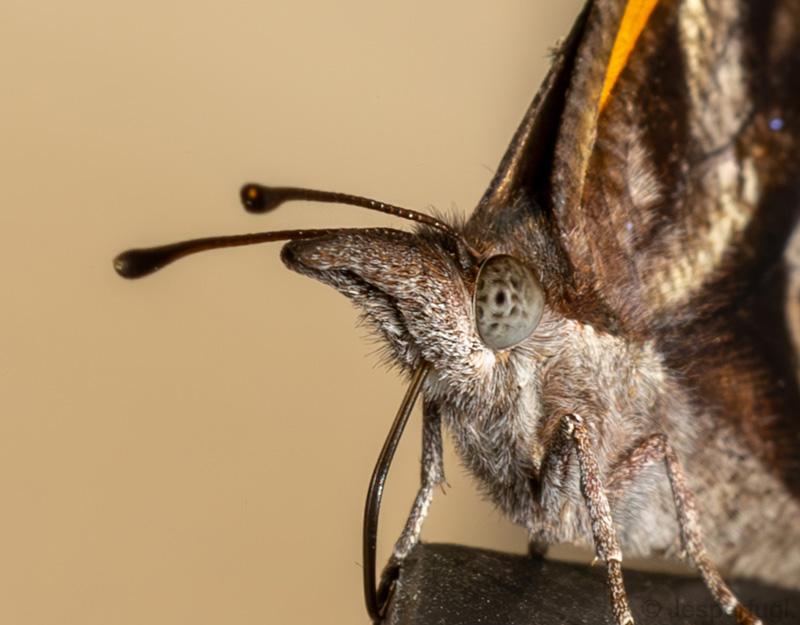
[637, 12]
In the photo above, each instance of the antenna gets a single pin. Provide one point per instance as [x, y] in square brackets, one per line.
[256, 198]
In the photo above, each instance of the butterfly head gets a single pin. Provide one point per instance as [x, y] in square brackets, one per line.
[429, 294]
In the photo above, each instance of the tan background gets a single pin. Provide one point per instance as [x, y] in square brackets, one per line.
[195, 447]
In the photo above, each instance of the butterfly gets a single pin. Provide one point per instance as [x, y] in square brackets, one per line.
[611, 338]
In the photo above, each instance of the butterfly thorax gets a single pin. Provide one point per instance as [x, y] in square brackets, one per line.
[625, 393]
[506, 423]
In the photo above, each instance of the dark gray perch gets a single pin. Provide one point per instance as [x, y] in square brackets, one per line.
[449, 584]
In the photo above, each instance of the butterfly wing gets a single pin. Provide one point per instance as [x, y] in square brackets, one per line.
[682, 213]
[673, 191]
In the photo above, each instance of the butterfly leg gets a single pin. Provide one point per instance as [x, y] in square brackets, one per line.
[432, 477]
[693, 542]
[573, 434]
[654, 450]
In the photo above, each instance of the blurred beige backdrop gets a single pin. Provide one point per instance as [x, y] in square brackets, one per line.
[195, 447]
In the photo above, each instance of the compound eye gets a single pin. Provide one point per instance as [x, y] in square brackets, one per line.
[508, 302]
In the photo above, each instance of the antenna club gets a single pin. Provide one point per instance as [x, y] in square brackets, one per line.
[133, 264]
[253, 198]
[260, 199]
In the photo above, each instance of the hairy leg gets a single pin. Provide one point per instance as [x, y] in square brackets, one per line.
[651, 451]
[432, 476]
